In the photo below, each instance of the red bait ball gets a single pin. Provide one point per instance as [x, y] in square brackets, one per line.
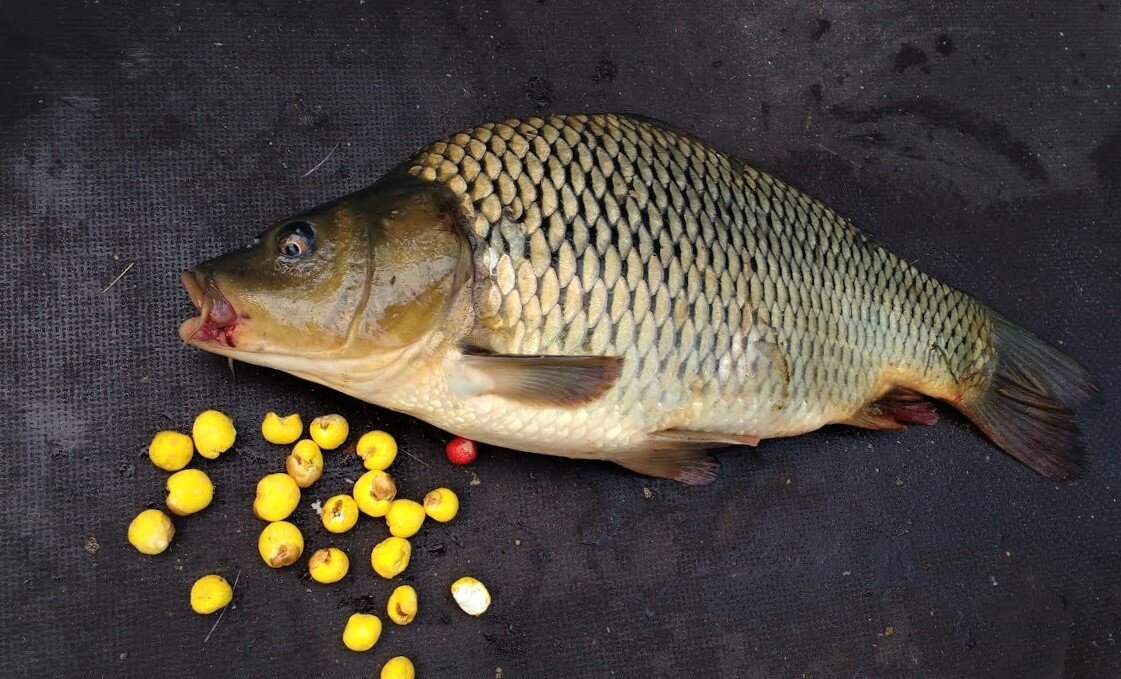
[462, 451]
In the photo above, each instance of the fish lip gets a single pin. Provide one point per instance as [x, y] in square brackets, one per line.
[217, 318]
[194, 289]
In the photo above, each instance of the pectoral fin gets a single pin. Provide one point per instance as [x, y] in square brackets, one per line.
[703, 439]
[560, 381]
[687, 465]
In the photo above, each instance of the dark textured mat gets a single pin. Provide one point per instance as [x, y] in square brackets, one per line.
[981, 140]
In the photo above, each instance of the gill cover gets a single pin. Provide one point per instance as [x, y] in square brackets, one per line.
[420, 257]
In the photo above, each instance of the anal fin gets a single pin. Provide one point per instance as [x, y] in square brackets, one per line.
[895, 410]
[687, 465]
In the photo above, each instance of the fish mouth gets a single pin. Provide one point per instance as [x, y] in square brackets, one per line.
[217, 318]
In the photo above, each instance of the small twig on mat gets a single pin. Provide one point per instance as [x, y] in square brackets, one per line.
[119, 277]
[233, 590]
[320, 163]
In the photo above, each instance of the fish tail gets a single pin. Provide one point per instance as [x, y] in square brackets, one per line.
[1026, 404]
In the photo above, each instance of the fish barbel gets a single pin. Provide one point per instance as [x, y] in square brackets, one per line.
[606, 287]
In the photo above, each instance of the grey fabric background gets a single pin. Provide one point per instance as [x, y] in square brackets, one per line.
[981, 140]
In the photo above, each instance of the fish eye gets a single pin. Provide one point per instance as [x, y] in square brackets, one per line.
[295, 239]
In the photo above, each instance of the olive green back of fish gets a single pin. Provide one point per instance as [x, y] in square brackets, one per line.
[740, 305]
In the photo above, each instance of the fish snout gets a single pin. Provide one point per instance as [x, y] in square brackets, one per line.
[216, 319]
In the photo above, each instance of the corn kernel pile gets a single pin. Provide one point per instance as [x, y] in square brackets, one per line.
[281, 542]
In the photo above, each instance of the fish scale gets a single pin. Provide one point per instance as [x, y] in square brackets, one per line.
[746, 305]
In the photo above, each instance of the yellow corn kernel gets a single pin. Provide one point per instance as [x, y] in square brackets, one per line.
[441, 505]
[281, 430]
[151, 531]
[471, 595]
[213, 433]
[374, 492]
[329, 431]
[277, 497]
[340, 513]
[377, 450]
[304, 463]
[404, 518]
[280, 544]
[210, 593]
[170, 450]
[401, 607]
[361, 632]
[189, 491]
[391, 556]
[328, 565]
[399, 667]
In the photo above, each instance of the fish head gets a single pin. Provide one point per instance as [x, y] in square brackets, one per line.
[339, 293]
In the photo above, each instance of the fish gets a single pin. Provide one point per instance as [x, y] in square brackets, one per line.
[609, 287]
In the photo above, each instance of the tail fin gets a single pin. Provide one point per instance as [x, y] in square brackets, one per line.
[1026, 405]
